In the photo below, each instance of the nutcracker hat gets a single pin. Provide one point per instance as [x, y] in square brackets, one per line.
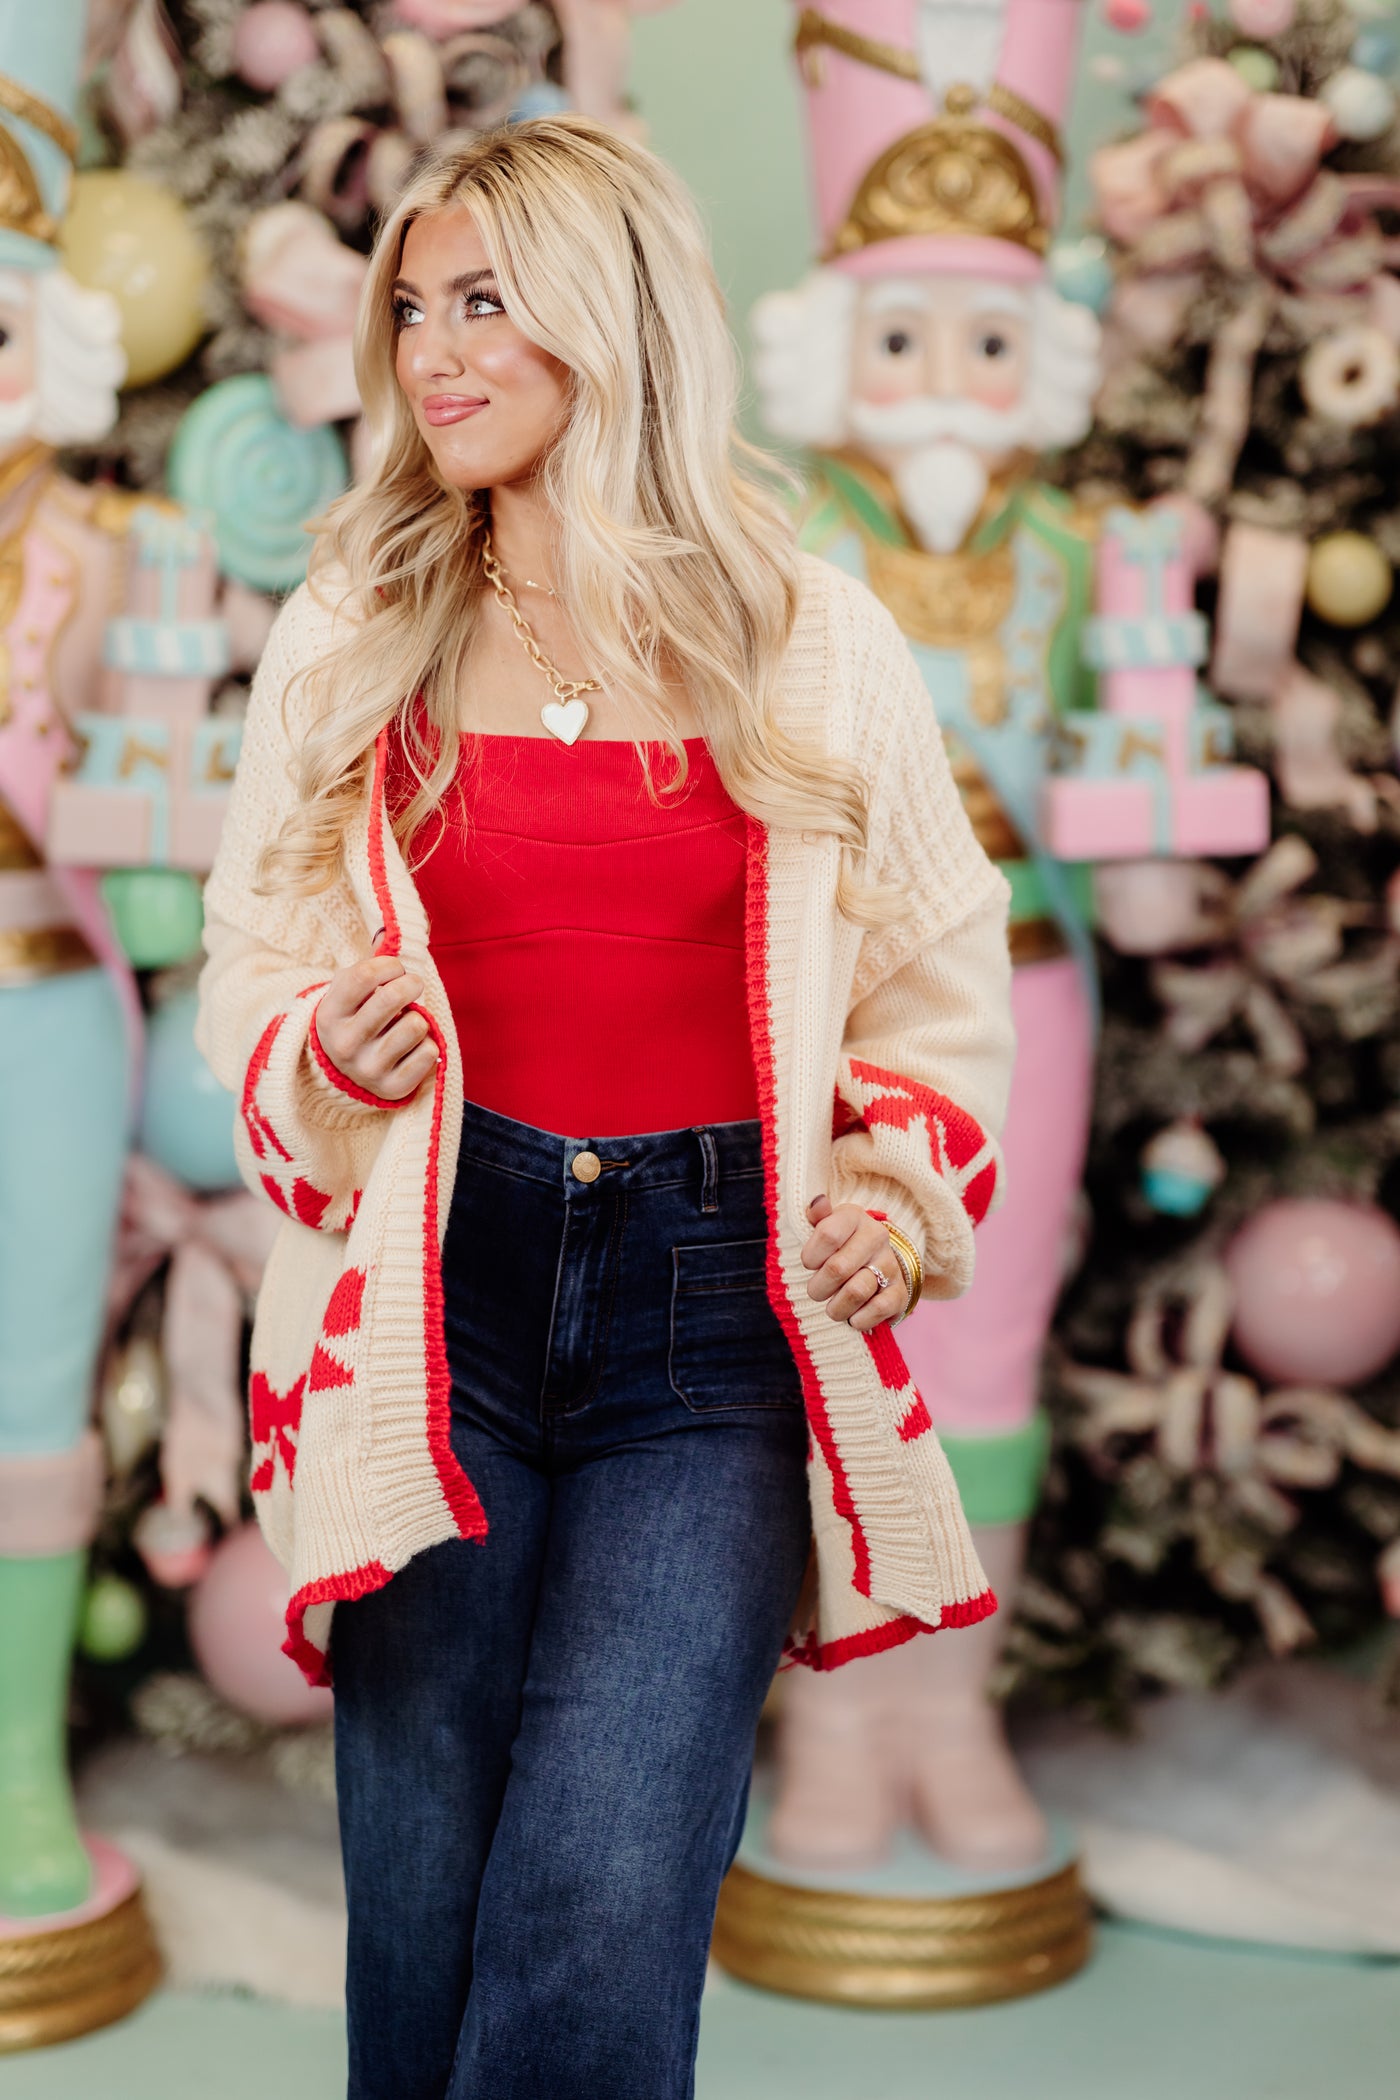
[41, 46]
[935, 130]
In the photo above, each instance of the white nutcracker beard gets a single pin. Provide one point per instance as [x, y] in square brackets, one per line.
[943, 474]
[18, 417]
[78, 360]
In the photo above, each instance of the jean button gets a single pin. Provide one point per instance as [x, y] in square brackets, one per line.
[586, 1166]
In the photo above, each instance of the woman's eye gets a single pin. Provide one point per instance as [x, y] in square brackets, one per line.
[481, 304]
[992, 347]
[406, 314]
[898, 343]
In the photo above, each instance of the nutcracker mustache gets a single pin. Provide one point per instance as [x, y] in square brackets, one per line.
[929, 419]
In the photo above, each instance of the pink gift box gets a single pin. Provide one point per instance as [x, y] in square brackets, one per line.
[168, 699]
[99, 827]
[1225, 811]
[149, 591]
[1123, 581]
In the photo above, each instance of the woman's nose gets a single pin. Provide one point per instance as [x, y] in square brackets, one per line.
[433, 354]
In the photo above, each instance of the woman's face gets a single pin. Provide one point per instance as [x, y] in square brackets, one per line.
[488, 402]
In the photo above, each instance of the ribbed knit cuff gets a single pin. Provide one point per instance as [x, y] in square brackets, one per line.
[999, 1477]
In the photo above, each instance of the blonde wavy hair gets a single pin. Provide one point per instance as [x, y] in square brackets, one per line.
[675, 554]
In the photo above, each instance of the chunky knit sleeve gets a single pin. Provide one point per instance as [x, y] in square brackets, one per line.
[928, 1046]
[303, 1139]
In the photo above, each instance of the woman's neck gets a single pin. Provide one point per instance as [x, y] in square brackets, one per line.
[523, 534]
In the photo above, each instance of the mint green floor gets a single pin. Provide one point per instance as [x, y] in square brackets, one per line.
[1155, 2018]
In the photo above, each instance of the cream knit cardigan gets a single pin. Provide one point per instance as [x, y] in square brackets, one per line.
[883, 1061]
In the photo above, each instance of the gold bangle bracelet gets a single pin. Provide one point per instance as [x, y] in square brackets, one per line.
[904, 1247]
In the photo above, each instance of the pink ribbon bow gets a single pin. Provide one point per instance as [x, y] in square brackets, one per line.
[1278, 940]
[1229, 179]
[217, 1247]
[1208, 1424]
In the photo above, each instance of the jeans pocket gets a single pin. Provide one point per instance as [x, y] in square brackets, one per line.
[728, 1350]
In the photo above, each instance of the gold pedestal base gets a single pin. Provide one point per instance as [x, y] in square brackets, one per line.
[55, 1985]
[902, 1952]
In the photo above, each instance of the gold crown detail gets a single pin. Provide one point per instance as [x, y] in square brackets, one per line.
[22, 207]
[952, 176]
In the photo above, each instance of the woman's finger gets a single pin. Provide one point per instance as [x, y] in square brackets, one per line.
[380, 1010]
[396, 1043]
[410, 1072]
[866, 1243]
[349, 988]
[886, 1303]
[853, 1295]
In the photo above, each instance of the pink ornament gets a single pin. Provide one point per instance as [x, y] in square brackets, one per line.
[1128, 17]
[445, 18]
[237, 1627]
[1317, 1291]
[273, 39]
[1263, 18]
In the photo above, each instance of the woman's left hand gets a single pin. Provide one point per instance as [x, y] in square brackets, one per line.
[844, 1245]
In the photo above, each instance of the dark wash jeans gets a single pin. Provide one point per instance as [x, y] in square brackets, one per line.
[543, 1740]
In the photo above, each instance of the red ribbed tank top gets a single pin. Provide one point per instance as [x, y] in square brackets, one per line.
[590, 940]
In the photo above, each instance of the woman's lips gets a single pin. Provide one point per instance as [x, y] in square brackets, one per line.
[450, 408]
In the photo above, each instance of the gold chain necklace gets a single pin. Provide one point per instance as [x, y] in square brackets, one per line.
[566, 715]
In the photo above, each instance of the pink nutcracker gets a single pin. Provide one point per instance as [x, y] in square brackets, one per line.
[926, 363]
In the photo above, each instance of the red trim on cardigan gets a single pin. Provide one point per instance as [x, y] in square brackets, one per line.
[338, 1079]
[462, 1498]
[893, 1634]
[378, 872]
[332, 1589]
[755, 936]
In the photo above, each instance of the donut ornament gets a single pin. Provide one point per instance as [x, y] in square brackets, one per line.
[1352, 377]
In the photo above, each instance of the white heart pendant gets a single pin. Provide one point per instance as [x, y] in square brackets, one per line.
[566, 719]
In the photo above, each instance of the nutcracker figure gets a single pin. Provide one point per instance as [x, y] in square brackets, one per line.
[926, 363]
[74, 1948]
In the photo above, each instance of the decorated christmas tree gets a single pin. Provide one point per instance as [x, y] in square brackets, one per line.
[1227, 1473]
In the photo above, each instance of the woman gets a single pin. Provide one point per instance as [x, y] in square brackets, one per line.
[575, 803]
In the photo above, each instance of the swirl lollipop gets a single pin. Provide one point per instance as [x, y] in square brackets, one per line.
[257, 477]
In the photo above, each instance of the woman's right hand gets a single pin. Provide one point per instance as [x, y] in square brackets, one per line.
[364, 1030]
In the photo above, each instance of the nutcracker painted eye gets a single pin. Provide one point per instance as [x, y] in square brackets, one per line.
[993, 346]
[898, 343]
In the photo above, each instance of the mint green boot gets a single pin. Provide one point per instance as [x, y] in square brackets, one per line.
[44, 1866]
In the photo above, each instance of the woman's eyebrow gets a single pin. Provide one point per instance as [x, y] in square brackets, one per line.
[468, 282]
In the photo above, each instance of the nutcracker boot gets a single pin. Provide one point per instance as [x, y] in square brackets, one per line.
[842, 1790]
[44, 1865]
[968, 1796]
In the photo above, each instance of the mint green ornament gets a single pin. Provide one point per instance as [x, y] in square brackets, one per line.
[1257, 69]
[158, 914]
[114, 1619]
[1082, 273]
[256, 477]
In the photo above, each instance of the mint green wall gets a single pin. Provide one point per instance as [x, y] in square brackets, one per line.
[715, 81]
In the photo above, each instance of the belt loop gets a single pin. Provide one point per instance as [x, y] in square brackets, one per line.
[709, 1187]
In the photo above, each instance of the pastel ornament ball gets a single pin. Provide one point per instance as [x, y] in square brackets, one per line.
[273, 39]
[186, 1116]
[128, 236]
[1362, 104]
[157, 914]
[1263, 18]
[237, 1624]
[114, 1620]
[1258, 69]
[1317, 1291]
[1349, 579]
